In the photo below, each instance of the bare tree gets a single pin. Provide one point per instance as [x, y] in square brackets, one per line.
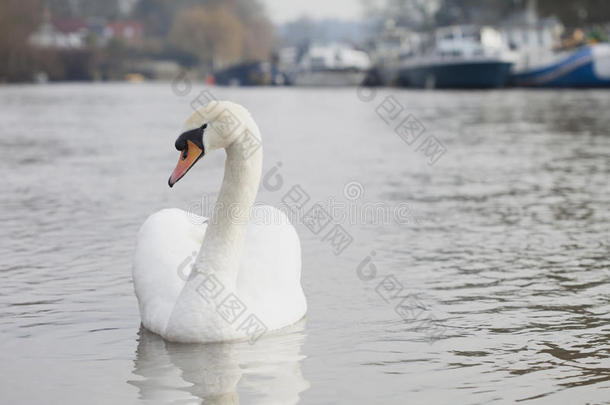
[215, 35]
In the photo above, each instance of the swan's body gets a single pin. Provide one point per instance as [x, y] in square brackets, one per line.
[242, 268]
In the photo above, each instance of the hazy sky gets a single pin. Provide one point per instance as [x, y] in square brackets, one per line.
[285, 10]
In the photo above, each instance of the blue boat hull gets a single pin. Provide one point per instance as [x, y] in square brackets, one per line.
[462, 75]
[581, 68]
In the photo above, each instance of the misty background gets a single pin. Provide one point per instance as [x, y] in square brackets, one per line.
[93, 40]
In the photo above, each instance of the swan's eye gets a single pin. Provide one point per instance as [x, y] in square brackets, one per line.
[184, 154]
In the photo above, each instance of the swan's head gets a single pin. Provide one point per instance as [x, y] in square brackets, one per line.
[215, 125]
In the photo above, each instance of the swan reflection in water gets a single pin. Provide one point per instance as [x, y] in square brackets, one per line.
[266, 372]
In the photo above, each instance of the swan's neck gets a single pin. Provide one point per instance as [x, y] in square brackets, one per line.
[224, 238]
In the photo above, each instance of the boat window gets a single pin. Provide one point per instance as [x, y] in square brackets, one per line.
[448, 35]
[473, 35]
[317, 61]
[451, 53]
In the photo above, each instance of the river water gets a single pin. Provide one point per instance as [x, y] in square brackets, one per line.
[474, 264]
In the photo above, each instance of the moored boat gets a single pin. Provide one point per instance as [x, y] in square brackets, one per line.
[459, 57]
[250, 74]
[586, 66]
[331, 65]
[545, 56]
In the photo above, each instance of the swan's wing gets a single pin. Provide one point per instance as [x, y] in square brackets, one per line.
[167, 245]
[269, 279]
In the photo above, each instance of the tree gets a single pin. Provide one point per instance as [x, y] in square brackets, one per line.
[156, 15]
[232, 30]
[576, 12]
[258, 39]
[83, 8]
[18, 19]
[413, 13]
[214, 35]
[417, 14]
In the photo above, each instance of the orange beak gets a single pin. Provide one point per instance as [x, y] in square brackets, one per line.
[188, 157]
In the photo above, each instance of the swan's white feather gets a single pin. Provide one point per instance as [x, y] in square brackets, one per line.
[268, 282]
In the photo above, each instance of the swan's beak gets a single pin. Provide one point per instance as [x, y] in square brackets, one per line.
[188, 157]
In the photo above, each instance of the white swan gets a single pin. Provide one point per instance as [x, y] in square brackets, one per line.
[246, 276]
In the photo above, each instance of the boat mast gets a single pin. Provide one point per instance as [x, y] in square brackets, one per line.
[531, 12]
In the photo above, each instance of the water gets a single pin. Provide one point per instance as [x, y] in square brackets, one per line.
[500, 246]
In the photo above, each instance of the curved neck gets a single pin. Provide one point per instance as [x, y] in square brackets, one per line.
[224, 238]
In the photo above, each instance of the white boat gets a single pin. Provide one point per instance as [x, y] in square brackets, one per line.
[387, 50]
[331, 65]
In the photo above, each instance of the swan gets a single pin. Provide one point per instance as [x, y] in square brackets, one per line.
[228, 277]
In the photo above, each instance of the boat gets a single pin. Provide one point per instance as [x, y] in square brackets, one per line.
[458, 57]
[331, 65]
[387, 49]
[256, 73]
[543, 59]
[588, 66]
